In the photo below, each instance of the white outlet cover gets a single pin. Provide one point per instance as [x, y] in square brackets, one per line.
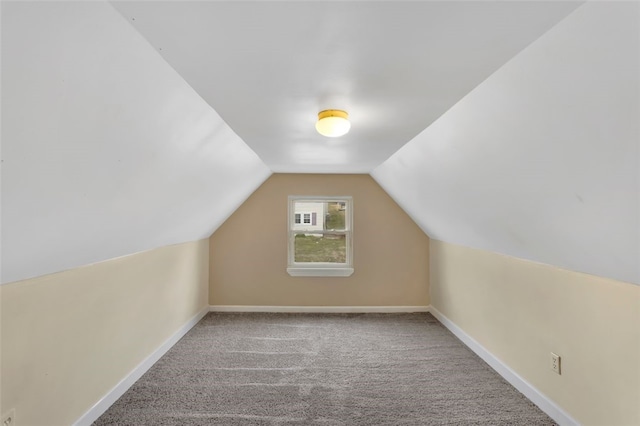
[555, 362]
[9, 419]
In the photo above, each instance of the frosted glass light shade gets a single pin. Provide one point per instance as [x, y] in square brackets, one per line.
[333, 123]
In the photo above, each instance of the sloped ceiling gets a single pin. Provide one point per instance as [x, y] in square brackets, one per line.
[106, 151]
[542, 160]
[112, 142]
[269, 67]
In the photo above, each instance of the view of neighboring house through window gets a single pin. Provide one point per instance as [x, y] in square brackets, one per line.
[320, 236]
[306, 218]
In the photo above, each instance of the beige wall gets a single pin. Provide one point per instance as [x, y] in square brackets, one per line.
[249, 251]
[521, 311]
[68, 338]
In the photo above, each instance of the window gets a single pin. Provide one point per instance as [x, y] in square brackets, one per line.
[320, 236]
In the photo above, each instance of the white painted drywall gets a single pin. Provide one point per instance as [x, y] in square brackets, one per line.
[106, 151]
[541, 161]
[394, 66]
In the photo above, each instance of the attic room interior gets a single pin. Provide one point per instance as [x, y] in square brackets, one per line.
[160, 161]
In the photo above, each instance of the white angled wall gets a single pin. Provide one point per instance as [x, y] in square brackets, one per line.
[106, 151]
[541, 161]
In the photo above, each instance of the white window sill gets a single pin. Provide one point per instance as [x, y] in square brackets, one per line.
[319, 272]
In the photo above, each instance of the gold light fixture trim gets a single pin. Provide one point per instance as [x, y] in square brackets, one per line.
[333, 123]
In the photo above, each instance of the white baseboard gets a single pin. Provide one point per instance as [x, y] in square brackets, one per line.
[534, 395]
[318, 309]
[542, 401]
[112, 396]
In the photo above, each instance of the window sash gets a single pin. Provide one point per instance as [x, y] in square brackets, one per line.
[319, 231]
[330, 267]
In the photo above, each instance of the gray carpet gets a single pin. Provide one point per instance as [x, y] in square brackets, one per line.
[321, 369]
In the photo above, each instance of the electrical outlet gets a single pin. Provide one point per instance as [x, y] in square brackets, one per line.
[555, 362]
[9, 419]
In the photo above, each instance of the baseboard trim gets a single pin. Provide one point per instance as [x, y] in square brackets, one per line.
[317, 309]
[538, 398]
[534, 395]
[112, 396]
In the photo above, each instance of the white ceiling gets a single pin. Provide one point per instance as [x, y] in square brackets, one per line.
[268, 68]
[542, 160]
[505, 126]
[106, 151]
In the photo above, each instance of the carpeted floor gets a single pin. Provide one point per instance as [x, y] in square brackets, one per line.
[321, 369]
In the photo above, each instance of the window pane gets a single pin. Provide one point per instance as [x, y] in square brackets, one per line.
[320, 215]
[312, 215]
[328, 248]
[335, 215]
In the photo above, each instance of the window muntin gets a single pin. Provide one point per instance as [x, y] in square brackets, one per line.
[320, 243]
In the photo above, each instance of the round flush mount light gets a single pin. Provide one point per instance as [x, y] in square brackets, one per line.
[333, 123]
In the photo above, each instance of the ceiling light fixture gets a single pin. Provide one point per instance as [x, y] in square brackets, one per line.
[333, 123]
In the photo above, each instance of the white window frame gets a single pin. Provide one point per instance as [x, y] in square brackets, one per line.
[320, 269]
